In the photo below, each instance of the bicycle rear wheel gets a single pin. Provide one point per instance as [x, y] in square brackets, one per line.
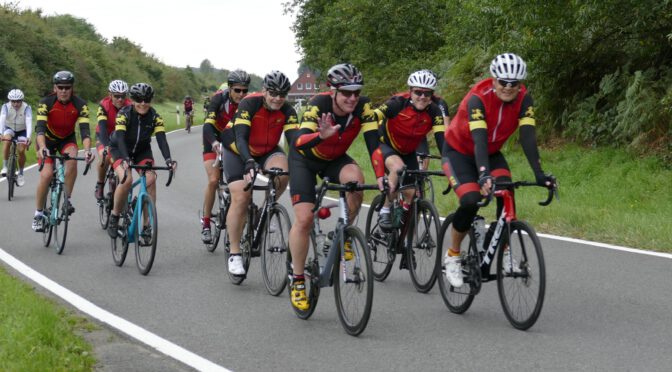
[61, 227]
[458, 300]
[146, 235]
[380, 243]
[423, 254]
[219, 223]
[274, 250]
[311, 271]
[521, 291]
[11, 174]
[120, 244]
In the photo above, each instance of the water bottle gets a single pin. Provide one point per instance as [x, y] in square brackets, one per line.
[479, 232]
[399, 213]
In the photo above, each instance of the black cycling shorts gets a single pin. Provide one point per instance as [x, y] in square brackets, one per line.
[410, 160]
[234, 167]
[303, 171]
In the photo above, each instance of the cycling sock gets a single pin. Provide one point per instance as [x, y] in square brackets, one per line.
[206, 222]
[38, 212]
[234, 254]
[299, 277]
[452, 254]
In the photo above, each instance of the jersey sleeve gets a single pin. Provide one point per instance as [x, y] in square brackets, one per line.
[102, 126]
[42, 115]
[242, 127]
[479, 133]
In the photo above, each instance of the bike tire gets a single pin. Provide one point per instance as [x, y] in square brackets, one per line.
[522, 295]
[146, 252]
[380, 243]
[311, 271]
[428, 189]
[61, 227]
[46, 234]
[353, 284]
[423, 254]
[219, 223]
[11, 175]
[458, 300]
[274, 250]
[120, 243]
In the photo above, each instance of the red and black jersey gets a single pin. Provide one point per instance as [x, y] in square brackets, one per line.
[188, 105]
[481, 108]
[403, 127]
[258, 129]
[220, 110]
[57, 120]
[107, 115]
[363, 118]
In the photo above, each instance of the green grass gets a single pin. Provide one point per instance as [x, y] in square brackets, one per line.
[606, 195]
[38, 335]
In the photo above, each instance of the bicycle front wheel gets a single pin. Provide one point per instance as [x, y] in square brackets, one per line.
[274, 250]
[353, 282]
[522, 282]
[428, 189]
[380, 243]
[120, 244]
[146, 235]
[423, 253]
[62, 218]
[458, 300]
[11, 175]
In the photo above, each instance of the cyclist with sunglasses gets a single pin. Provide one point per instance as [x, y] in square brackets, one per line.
[107, 115]
[221, 109]
[487, 116]
[57, 115]
[407, 118]
[330, 124]
[131, 142]
[16, 120]
[258, 125]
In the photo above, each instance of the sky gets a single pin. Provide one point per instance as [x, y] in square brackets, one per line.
[253, 35]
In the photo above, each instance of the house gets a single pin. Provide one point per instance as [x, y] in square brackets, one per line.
[304, 87]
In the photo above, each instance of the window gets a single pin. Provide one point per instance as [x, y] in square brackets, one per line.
[299, 86]
[308, 86]
[317, 86]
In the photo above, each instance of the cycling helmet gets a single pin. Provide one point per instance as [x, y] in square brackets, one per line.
[15, 95]
[141, 91]
[344, 76]
[187, 97]
[422, 79]
[118, 86]
[64, 77]
[238, 77]
[508, 66]
[277, 81]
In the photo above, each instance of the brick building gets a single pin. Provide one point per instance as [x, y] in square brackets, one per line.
[304, 87]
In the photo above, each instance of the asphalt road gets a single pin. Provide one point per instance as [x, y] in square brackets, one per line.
[604, 309]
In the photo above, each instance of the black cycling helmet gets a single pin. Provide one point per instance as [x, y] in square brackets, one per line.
[63, 77]
[238, 77]
[141, 91]
[277, 81]
[345, 76]
[187, 97]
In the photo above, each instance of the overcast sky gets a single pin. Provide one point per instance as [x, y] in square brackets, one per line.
[253, 35]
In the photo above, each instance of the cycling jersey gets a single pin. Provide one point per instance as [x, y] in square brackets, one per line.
[188, 105]
[16, 120]
[363, 118]
[220, 111]
[56, 120]
[443, 105]
[257, 130]
[107, 113]
[133, 133]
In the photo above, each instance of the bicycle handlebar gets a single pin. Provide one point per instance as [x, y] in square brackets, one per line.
[423, 155]
[552, 190]
[148, 167]
[347, 187]
[63, 157]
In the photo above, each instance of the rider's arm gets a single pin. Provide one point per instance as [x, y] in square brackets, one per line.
[370, 129]
[528, 135]
[102, 126]
[242, 127]
[41, 124]
[212, 108]
[439, 129]
[291, 126]
[160, 134]
[118, 137]
[307, 135]
[479, 134]
[209, 133]
[83, 120]
[3, 119]
[29, 122]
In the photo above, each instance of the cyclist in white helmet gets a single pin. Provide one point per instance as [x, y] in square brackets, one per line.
[488, 115]
[16, 120]
[117, 98]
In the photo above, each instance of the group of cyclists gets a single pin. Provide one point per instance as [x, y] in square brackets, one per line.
[245, 129]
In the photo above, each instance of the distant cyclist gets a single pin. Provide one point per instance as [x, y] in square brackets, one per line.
[220, 112]
[423, 148]
[487, 116]
[259, 123]
[57, 115]
[16, 121]
[131, 142]
[407, 119]
[107, 115]
[188, 112]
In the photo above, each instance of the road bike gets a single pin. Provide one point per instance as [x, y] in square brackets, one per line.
[520, 273]
[56, 217]
[218, 219]
[106, 204]
[12, 165]
[138, 222]
[415, 234]
[265, 234]
[327, 265]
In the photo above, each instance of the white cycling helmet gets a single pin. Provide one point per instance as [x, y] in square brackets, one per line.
[15, 95]
[508, 66]
[422, 79]
[118, 86]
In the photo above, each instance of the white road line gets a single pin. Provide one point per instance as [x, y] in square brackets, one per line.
[160, 344]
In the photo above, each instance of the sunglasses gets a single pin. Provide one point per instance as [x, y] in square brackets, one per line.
[350, 93]
[273, 93]
[16, 101]
[142, 100]
[238, 90]
[508, 83]
[426, 93]
[119, 96]
[64, 87]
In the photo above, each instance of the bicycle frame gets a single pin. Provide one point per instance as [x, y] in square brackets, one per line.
[137, 209]
[269, 201]
[57, 186]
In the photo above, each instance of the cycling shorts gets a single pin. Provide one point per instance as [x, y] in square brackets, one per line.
[303, 173]
[410, 160]
[234, 167]
[139, 157]
[60, 146]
